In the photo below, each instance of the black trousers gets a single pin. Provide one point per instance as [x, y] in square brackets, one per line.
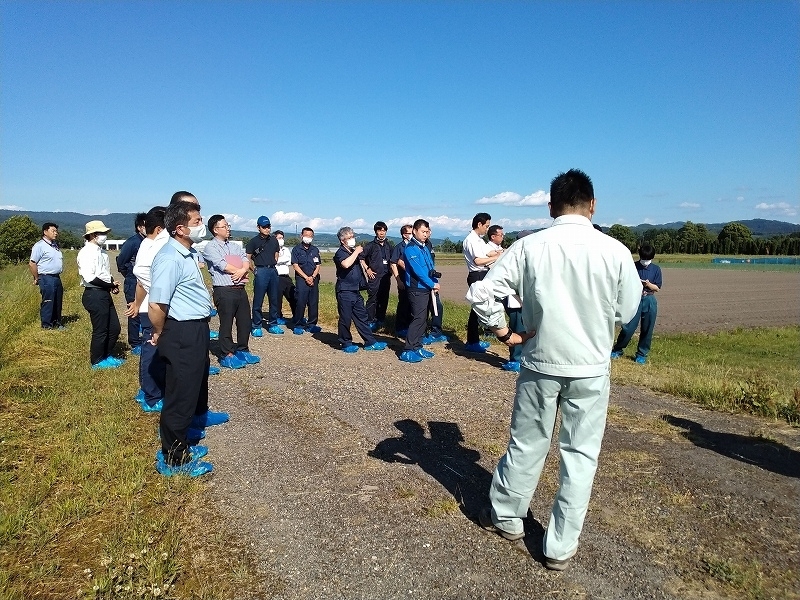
[402, 316]
[418, 301]
[473, 332]
[378, 296]
[183, 345]
[232, 303]
[105, 322]
[351, 308]
[286, 290]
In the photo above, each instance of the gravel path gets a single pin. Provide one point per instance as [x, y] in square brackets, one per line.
[358, 476]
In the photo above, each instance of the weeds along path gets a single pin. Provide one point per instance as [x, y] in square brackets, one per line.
[358, 476]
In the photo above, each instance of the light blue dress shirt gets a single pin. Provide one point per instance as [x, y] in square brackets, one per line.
[176, 280]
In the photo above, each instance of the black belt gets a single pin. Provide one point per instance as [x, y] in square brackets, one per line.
[229, 287]
[204, 320]
[49, 275]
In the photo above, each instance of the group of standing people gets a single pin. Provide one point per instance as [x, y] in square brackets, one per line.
[566, 287]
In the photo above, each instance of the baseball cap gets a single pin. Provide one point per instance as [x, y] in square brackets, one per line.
[263, 222]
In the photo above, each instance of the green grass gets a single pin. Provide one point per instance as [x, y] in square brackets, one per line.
[81, 505]
[743, 370]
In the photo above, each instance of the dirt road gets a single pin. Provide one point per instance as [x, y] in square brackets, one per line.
[358, 476]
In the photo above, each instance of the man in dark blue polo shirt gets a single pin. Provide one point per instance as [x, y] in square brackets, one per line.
[349, 302]
[262, 251]
[126, 260]
[375, 260]
[306, 263]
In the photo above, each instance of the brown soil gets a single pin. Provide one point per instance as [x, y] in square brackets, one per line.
[358, 476]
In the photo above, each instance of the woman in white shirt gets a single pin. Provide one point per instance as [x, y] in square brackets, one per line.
[95, 272]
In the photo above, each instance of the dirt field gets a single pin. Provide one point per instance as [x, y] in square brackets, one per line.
[693, 299]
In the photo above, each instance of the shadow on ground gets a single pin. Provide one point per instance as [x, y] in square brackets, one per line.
[443, 457]
[757, 451]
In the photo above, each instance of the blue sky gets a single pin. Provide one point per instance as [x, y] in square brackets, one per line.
[344, 113]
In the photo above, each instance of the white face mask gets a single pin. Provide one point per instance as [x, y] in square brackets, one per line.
[280, 242]
[645, 262]
[307, 240]
[351, 243]
[197, 233]
[101, 239]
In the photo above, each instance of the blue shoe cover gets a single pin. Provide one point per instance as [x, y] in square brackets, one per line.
[195, 452]
[511, 365]
[275, 330]
[148, 408]
[105, 364]
[351, 349]
[194, 468]
[616, 354]
[213, 312]
[484, 345]
[376, 346]
[280, 321]
[139, 395]
[410, 356]
[640, 360]
[476, 347]
[213, 335]
[298, 331]
[425, 353]
[194, 435]
[115, 361]
[212, 370]
[209, 419]
[314, 329]
[231, 362]
[248, 357]
[136, 350]
[257, 332]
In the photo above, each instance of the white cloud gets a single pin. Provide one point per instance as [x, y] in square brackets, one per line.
[539, 198]
[440, 226]
[240, 223]
[518, 224]
[11, 207]
[689, 205]
[783, 209]
[262, 200]
[649, 221]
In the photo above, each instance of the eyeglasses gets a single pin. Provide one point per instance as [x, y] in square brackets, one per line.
[224, 226]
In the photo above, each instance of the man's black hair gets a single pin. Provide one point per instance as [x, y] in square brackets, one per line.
[154, 218]
[480, 219]
[139, 221]
[494, 229]
[573, 188]
[380, 225]
[646, 251]
[47, 226]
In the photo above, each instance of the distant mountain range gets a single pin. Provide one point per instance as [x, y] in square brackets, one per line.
[121, 225]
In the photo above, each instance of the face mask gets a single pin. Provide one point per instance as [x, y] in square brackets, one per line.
[280, 242]
[351, 243]
[101, 239]
[307, 240]
[197, 233]
[645, 262]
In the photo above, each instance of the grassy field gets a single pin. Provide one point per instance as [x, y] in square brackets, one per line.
[78, 488]
[83, 513]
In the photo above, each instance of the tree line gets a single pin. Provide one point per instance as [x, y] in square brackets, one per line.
[693, 238]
